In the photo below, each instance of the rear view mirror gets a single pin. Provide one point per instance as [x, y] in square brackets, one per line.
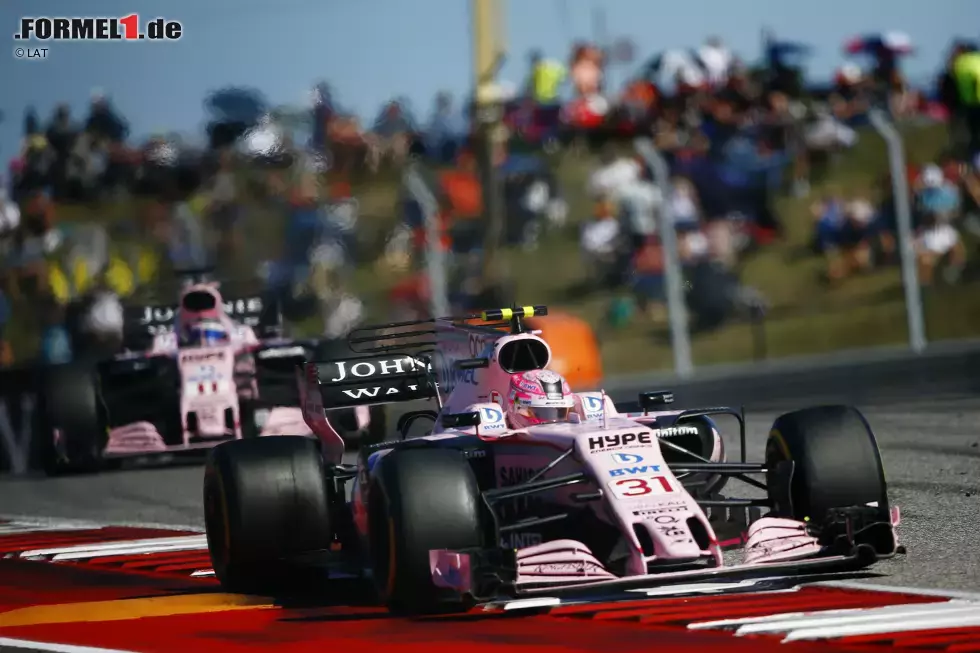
[406, 421]
[655, 398]
[460, 420]
[472, 363]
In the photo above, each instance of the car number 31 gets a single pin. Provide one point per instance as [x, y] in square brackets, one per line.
[638, 486]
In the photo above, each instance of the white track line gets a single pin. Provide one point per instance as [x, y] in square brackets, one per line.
[123, 547]
[55, 648]
[17, 528]
[898, 589]
[73, 524]
[712, 588]
[136, 550]
[526, 604]
[893, 615]
[930, 622]
[830, 624]
[784, 618]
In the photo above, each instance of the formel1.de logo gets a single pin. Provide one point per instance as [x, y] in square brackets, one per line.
[123, 28]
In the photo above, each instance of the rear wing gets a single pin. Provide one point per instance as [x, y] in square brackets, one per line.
[142, 323]
[372, 380]
[409, 361]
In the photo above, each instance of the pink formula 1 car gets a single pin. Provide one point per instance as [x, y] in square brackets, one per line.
[519, 488]
[204, 376]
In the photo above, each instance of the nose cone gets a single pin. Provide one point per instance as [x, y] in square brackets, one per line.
[673, 540]
[676, 535]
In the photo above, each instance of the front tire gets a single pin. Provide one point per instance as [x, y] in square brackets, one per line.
[265, 503]
[72, 406]
[421, 499]
[836, 459]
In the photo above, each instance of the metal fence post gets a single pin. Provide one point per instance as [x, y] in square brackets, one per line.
[435, 257]
[676, 305]
[903, 214]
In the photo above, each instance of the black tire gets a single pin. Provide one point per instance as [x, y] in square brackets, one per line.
[837, 462]
[73, 407]
[421, 499]
[246, 417]
[265, 503]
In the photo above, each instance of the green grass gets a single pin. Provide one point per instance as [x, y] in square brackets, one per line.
[807, 317]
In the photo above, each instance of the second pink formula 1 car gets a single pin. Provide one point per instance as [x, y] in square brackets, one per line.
[203, 371]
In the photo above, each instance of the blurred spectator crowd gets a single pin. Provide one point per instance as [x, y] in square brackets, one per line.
[854, 235]
[733, 137]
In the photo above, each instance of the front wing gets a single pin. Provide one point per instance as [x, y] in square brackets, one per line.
[143, 438]
[851, 540]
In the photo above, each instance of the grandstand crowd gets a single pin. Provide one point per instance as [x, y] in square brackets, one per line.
[734, 137]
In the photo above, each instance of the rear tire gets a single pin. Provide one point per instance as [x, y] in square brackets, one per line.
[72, 406]
[837, 462]
[421, 499]
[265, 503]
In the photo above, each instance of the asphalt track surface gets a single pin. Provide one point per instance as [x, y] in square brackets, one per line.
[930, 448]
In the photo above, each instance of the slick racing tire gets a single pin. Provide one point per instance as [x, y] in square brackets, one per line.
[71, 405]
[836, 463]
[421, 499]
[265, 504]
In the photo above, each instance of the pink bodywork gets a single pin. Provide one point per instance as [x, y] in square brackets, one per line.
[651, 499]
[621, 453]
[144, 438]
[211, 386]
[639, 491]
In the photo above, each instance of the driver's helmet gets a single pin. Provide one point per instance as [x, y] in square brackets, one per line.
[537, 397]
[205, 333]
